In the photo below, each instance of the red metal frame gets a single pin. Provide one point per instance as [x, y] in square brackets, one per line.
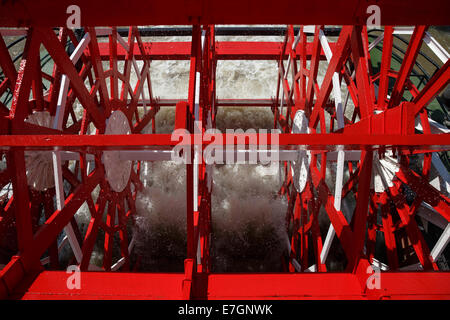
[393, 129]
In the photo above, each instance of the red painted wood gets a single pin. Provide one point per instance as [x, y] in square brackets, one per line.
[107, 286]
[176, 12]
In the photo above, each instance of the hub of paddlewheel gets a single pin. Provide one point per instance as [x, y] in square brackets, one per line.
[358, 147]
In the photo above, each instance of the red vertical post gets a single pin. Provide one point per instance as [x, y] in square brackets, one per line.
[53, 249]
[302, 44]
[295, 230]
[372, 227]
[189, 167]
[109, 235]
[361, 210]
[114, 81]
[313, 70]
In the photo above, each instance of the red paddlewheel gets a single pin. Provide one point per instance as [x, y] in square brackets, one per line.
[367, 163]
[376, 179]
[80, 104]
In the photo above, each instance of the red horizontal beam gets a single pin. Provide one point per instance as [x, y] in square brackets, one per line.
[418, 285]
[145, 141]
[104, 285]
[236, 50]
[153, 50]
[219, 102]
[181, 12]
[264, 103]
[245, 102]
[231, 50]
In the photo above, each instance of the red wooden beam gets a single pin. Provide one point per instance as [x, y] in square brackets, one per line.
[92, 230]
[428, 142]
[425, 190]
[7, 65]
[190, 263]
[224, 50]
[235, 50]
[361, 210]
[335, 65]
[22, 87]
[388, 231]
[414, 233]
[385, 66]
[362, 73]
[407, 65]
[25, 264]
[57, 51]
[312, 76]
[437, 83]
[177, 12]
[16, 163]
[99, 75]
[106, 286]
